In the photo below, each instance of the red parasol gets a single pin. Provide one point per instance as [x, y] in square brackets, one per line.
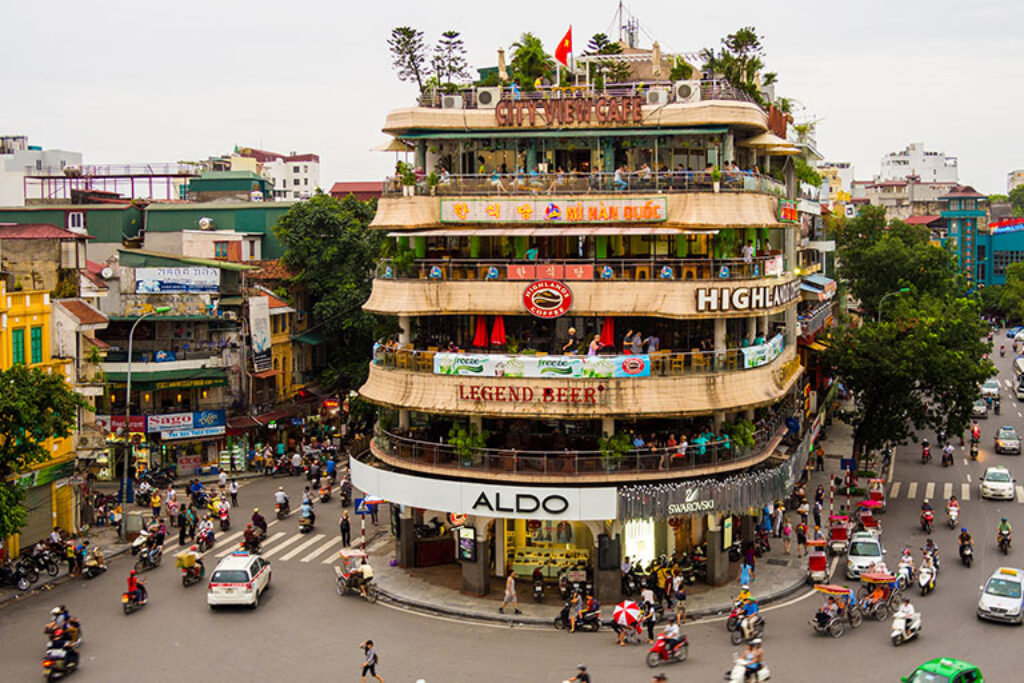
[498, 331]
[608, 332]
[626, 613]
[480, 336]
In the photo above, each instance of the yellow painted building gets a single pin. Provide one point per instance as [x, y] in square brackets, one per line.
[25, 327]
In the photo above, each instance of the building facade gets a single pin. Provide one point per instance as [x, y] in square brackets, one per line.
[1014, 179]
[964, 215]
[915, 160]
[20, 160]
[292, 176]
[597, 306]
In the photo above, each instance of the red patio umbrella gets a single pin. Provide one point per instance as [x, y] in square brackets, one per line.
[498, 331]
[608, 332]
[480, 336]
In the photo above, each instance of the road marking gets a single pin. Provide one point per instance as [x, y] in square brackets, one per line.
[299, 549]
[1008, 385]
[1019, 415]
[968, 478]
[947, 490]
[894, 492]
[965, 491]
[965, 461]
[929, 490]
[281, 546]
[316, 553]
[912, 490]
[232, 549]
[1020, 494]
[224, 540]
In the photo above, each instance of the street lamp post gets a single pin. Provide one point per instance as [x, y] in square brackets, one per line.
[878, 313]
[129, 447]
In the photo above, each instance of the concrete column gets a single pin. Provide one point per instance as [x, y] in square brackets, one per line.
[608, 153]
[421, 154]
[608, 426]
[476, 421]
[405, 544]
[764, 326]
[405, 336]
[403, 419]
[531, 156]
[500, 554]
[607, 582]
[717, 419]
[718, 559]
[475, 579]
[719, 335]
[751, 328]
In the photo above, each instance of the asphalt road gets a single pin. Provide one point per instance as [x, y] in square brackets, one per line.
[302, 628]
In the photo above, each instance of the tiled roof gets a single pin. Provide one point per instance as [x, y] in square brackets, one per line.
[94, 267]
[83, 312]
[275, 302]
[304, 157]
[963, 192]
[38, 231]
[922, 220]
[95, 279]
[269, 270]
[356, 186]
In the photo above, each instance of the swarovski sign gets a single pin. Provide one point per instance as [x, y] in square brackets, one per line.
[691, 504]
[715, 299]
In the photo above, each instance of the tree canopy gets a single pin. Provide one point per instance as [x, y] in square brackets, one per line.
[408, 54]
[739, 61]
[449, 59]
[34, 406]
[920, 363]
[1016, 197]
[529, 61]
[334, 254]
[608, 70]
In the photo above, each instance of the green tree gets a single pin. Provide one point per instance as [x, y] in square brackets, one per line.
[1016, 198]
[920, 365]
[529, 61]
[606, 70]
[408, 54]
[449, 60]
[334, 254]
[34, 406]
[739, 61]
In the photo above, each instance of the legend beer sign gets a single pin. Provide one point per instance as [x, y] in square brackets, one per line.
[718, 299]
[521, 394]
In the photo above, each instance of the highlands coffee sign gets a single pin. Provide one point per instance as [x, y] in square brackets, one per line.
[717, 299]
[574, 111]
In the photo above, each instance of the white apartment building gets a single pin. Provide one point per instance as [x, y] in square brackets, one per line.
[1014, 179]
[19, 159]
[294, 176]
[929, 167]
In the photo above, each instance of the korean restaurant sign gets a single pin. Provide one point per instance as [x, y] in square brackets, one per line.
[575, 111]
[715, 299]
[633, 210]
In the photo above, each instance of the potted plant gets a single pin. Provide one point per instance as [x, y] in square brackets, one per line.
[432, 181]
[408, 179]
[716, 179]
[467, 442]
[614, 449]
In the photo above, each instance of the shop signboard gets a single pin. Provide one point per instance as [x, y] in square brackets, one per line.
[164, 356]
[521, 394]
[789, 211]
[474, 498]
[168, 280]
[606, 110]
[259, 330]
[467, 543]
[726, 532]
[203, 419]
[189, 463]
[542, 367]
[112, 423]
[547, 299]
[773, 266]
[558, 271]
[532, 211]
[744, 298]
[762, 354]
[197, 433]
[45, 475]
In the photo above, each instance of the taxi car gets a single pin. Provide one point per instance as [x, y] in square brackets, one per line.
[996, 483]
[239, 579]
[1007, 440]
[990, 388]
[945, 670]
[1002, 596]
[865, 552]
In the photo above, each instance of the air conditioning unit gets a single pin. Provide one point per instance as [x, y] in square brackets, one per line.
[686, 91]
[487, 98]
[451, 102]
[657, 96]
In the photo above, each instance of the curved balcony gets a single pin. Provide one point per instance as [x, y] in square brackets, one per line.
[720, 298]
[573, 466]
[678, 390]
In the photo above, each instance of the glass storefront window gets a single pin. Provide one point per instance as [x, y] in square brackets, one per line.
[640, 540]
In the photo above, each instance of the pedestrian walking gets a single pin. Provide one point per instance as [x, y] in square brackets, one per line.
[370, 661]
[777, 515]
[510, 593]
[182, 525]
[155, 503]
[787, 536]
[345, 527]
[819, 494]
[817, 513]
[679, 593]
[819, 463]
[233, 490]
[268, 460]
[648, 618]
[222, 481]
[801, 539]
[745, 574]
[581, 675]
[375, 513]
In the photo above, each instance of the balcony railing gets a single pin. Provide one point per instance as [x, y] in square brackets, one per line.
[662, 363]
[697, 455]
[573, 183]
[710, 90]
[162, 355]
[815, 320]
[660, 268]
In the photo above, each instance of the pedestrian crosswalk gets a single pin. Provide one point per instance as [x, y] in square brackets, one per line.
[962, 491]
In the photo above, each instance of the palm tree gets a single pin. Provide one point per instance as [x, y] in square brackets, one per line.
[530, 61]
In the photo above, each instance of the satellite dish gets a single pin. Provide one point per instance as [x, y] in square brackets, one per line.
[107, 273]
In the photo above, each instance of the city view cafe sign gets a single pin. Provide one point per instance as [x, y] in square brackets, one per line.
[571, 111]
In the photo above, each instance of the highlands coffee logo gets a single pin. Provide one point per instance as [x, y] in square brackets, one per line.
[547, 298]
[691, 504]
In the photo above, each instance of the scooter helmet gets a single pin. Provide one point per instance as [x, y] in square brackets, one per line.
[131, 573]
[1004, 519]
[249, 525]
[581, 667]
[925, 501]
[963, 530]
[280, 488]
[55, 611]
[755, 641]
[256, 511]
[194, 548]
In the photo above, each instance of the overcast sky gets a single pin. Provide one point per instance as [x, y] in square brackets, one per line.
[148, 82]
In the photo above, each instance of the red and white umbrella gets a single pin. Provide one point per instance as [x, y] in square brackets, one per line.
[626, 613]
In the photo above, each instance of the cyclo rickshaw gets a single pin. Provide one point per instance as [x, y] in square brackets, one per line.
[879, 594]
[866, 516]
[838, 533]
[350, 577]
[876, 491]
[848, 612]
[817, 560]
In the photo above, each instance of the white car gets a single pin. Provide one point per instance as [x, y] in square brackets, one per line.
[239, 579]
[1002, 597]
[1007, 440]
[997, 483]
[865, 553]
[990, 388]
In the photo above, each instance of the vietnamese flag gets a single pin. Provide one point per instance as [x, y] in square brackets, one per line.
[564, 48]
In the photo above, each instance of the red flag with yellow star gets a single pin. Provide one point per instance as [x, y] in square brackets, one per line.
[564, 48]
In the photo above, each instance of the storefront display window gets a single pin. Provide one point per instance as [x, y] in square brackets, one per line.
[553, 546]
[640, 540]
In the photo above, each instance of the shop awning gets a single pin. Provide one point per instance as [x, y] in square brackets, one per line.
[560, 231]
[170, 379]
[242, 422]
[311, 337]
[267, 374]
[565, 133]
[817, 346]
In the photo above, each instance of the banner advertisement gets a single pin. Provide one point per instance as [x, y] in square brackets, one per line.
[634, 210]
[762, 354]
[192, 433]
[203, 419]
[542, 367]
[189, 463]
[259, 330]
[165, 280]
[773, 266]
[112, 423]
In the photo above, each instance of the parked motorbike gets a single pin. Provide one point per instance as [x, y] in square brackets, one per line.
[660, 653]
[432, 529]
[44, 561]
[538, 590]
[902, 631]
[1004, 542]
[967, 554]
[28, 568]
[586, 621]
[94, 564]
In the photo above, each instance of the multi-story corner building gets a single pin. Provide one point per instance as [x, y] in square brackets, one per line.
[1014, 179]
[915, 160]
[292, 175]
[20, 160]
[597, 305]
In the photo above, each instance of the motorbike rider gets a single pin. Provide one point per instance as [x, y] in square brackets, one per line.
[306, 511]
[60, 639]
[258, 521]
[926, 506]
[281, 498]
[672, 635]
[752, 659]
[906, 612]
[931, 550]
[952, 504]
[365, 576]
[1005, 528]
[947, 452]
[296, 463]
[965, 540]
[251, 539]
[205, 527]
[907, 564]
[750, 610]
[307, 496]
[975, 431]
[135, 588]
